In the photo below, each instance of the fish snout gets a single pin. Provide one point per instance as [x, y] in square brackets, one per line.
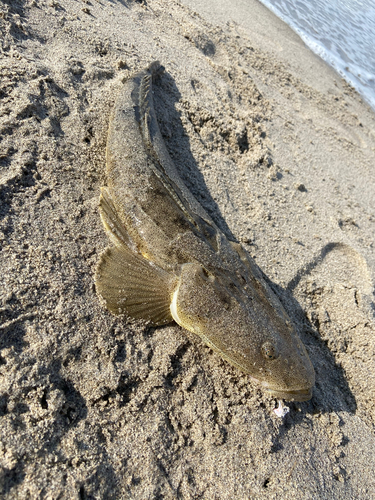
[292, 395]
[293, 381]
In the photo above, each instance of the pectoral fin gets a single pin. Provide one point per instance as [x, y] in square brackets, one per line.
[130, 284]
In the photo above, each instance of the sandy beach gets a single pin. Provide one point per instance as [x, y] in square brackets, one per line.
[280, 151]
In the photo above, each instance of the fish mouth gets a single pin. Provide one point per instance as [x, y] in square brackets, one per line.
[292, 395]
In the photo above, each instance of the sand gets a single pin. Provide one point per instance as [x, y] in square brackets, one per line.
[280, 151]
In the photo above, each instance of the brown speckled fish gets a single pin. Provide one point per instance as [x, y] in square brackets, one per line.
[169, 261]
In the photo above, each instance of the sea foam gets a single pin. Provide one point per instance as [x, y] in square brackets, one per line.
[342, 32]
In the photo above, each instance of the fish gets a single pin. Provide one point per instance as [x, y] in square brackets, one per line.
[169, 262]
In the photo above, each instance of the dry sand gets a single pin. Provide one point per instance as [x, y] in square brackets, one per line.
[280, 151]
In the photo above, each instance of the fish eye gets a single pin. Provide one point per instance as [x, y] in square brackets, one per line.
[269, 351]
[205, 272]
[207, 276]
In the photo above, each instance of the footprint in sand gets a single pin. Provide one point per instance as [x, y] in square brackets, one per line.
[338, 290]
[337, 263]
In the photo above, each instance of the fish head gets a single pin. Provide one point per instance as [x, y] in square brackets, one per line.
[248, 326]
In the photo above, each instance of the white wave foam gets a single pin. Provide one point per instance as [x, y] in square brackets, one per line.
[342, 32]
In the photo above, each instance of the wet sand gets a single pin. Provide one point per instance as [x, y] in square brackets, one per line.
[280, 151]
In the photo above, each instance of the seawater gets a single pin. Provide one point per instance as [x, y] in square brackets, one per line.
[342, 32]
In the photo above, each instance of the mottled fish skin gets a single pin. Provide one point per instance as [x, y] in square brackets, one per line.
[169, 261]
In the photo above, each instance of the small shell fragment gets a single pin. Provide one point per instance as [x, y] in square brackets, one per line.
[281, 410]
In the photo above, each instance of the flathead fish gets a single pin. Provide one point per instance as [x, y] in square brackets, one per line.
[170, 262]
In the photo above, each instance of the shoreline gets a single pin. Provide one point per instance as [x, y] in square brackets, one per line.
[251, 16]
[338, 64]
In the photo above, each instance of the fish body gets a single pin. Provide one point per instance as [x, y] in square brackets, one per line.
[170, 262]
